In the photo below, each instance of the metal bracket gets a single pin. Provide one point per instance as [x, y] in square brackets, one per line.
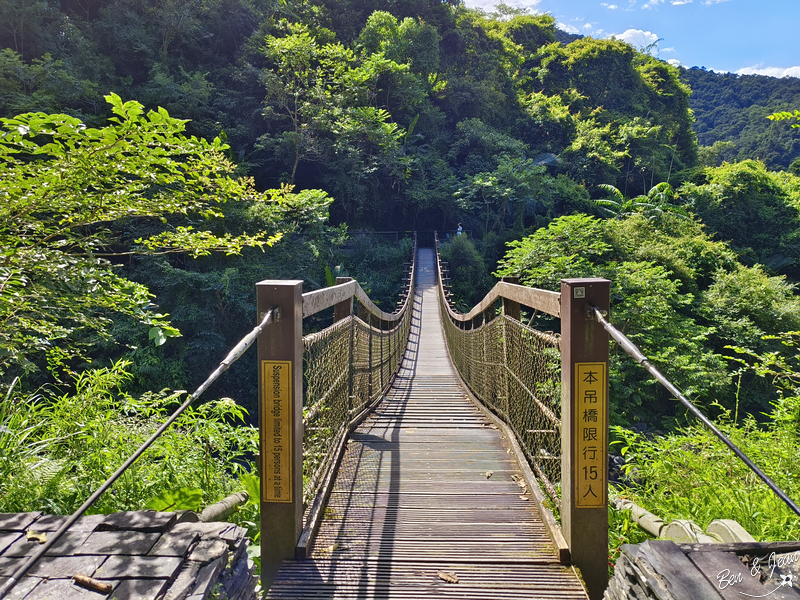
[593, 311]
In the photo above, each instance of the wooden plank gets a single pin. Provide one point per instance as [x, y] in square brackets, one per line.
[679, 574]
[733, 580]
[412, 496]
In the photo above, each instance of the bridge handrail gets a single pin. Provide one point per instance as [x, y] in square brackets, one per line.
[512, 296]
[335, 376]
[542, 300]
[551, 392]
[633, 351]
[319, 300]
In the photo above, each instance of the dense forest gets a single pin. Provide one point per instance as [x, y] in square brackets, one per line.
[729, 113]
[158, 157]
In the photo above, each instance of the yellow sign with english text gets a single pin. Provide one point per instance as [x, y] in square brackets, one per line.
[276, 431]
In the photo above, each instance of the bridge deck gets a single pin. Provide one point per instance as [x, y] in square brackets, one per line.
[428, 488]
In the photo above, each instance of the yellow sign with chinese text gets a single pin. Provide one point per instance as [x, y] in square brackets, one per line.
[591, 434]
[276, 431]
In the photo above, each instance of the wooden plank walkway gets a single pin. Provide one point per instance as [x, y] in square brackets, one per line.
[412, 498]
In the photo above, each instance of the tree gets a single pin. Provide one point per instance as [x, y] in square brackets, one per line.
[786, 116]
[325, 93]
[752, 208]
[653, 205]
[69, 195]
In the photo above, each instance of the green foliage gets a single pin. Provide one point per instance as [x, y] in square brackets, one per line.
[56, 449]
[731, 109]
[321, 93]
[43, 85]
[378, 266]
[690, 474]
[73, 197]
[680, 296]
[181, 499]
[630, 112]
[468, 274]
[754, 209]
[786, 116]
[748, 303]
[653, 205]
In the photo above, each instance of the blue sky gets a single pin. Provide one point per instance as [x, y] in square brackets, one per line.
[740, 36]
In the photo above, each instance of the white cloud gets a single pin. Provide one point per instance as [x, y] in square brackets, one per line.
[568, 28]
[681, 2]
[489, 5]
[670, 49]
[714, 1]
[770, 71]
[610, 6]
[652, 3]
[675, 62]
[637, 37]
[580, 28]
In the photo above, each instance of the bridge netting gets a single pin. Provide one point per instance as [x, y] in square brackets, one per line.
[347, 368]
[515, 370]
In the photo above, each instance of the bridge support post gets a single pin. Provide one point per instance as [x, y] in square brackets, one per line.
[510, 309]
[280, 393]
[342, 311]
[584, 430]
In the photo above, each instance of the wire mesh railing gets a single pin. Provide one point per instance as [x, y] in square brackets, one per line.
[347, 368]
[514, 369]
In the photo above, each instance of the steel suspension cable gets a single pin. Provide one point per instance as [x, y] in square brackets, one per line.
[630, 348]
[237, 351]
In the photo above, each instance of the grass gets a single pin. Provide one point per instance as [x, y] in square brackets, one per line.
[690, 474]
[57, 448]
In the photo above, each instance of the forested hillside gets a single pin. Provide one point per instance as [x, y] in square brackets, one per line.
[415, 119]
[158, 157]
[730, 112]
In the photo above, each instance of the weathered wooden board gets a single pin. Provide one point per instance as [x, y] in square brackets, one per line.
[144, 555]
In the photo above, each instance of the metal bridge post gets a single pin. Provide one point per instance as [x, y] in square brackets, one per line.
[280, 393]
[584, 430]
[342, 311]
[363, 314]
[510, 309]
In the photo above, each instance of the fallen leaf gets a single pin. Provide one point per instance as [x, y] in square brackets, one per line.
[448, 577]
[331, 548]
[493, 426]
[36, 536]
[515, 477]
[522, 484]
[489, 474]
[524, 498]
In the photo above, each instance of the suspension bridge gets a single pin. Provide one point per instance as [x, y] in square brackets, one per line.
[426, 453]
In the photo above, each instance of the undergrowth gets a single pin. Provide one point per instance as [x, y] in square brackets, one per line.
[690, 474]
[57, 448]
